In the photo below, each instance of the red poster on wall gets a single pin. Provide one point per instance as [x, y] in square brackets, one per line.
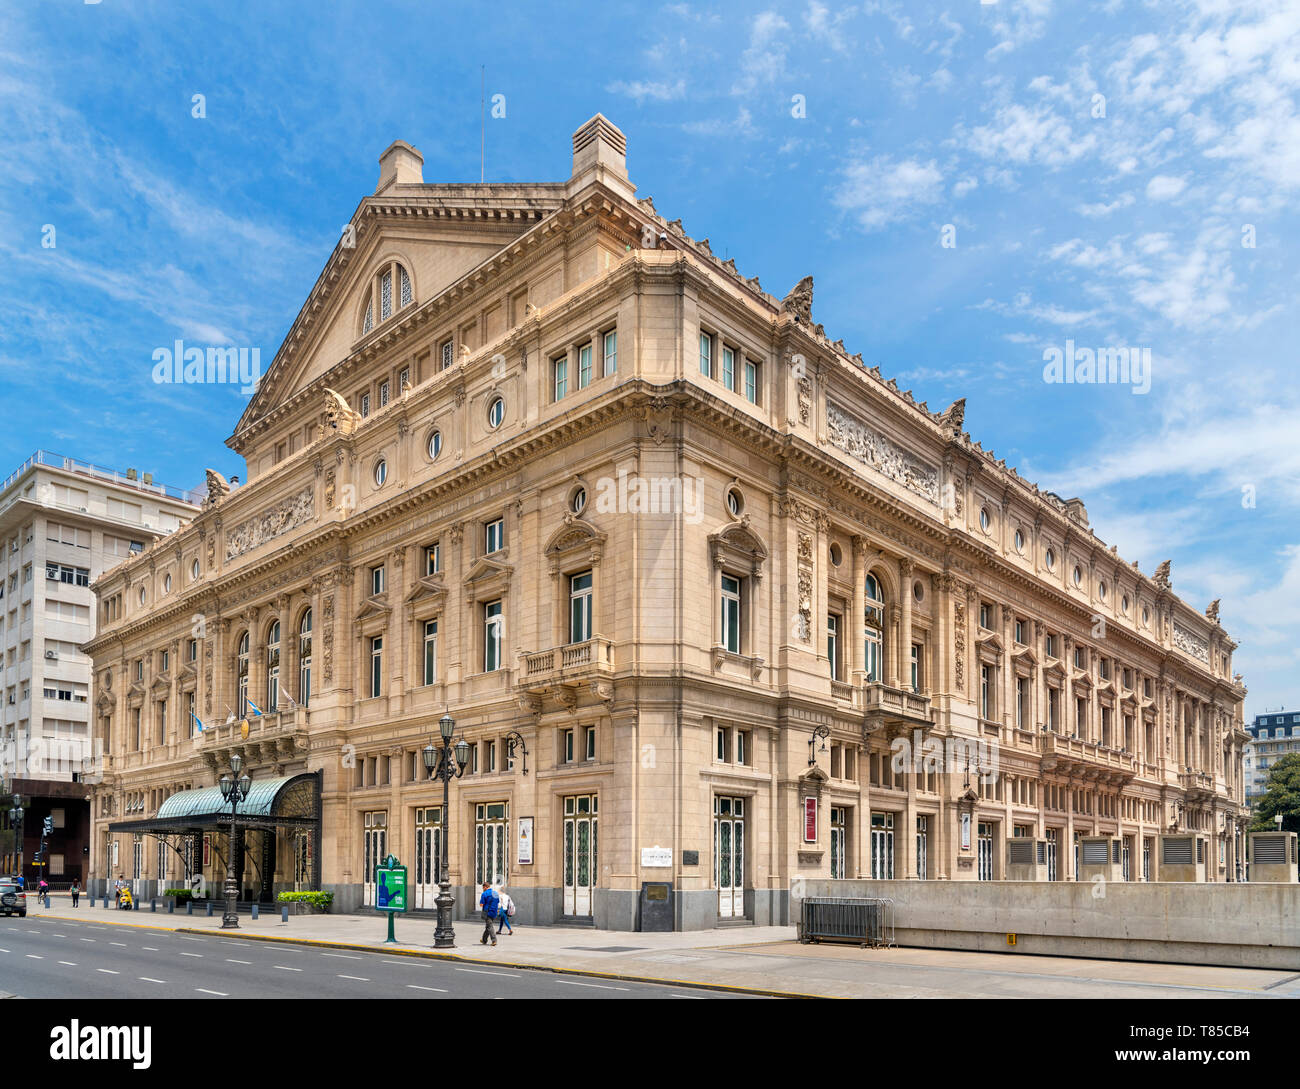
[810, 820]
[207, 850]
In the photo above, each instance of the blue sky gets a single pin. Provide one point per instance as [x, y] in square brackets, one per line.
[1115, 174]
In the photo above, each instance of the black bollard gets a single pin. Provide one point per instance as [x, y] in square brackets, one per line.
[189, 907]
[284, 913]
[254, 911]
[209, 909]
[153, 904]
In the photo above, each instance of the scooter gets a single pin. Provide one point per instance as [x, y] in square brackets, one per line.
[124, 900]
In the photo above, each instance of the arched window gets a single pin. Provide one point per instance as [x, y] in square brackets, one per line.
[389, 290]
[273, 668]
[241, 670]
[874, 630]
[304, 659]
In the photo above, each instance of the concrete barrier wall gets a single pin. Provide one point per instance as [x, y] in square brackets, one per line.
[1235, 924]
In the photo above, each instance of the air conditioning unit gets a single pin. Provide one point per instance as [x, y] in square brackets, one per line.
[51, 574]
[1101, 856]
[1272, 857]
[53, 655]
[1182, 858]
[1026, 859]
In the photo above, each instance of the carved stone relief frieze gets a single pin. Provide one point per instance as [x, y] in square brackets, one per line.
[869, 446]
[293, 511]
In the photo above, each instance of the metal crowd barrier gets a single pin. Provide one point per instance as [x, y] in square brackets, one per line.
[865, 920]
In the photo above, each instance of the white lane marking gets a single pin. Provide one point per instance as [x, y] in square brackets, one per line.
[33, 932]
[146, 979]
[697, 997]
[231, 960]
[480, 972]
[85, 939]
[601, 986]
[122, 944]
[69, 963]
[284, 969]
[108, 971]
[33, 956]
[60, 935]
[185, 939]
[341, 956]
[150, 948]
[359, 979]
[417, 987]
[192, 955]
[204, 990]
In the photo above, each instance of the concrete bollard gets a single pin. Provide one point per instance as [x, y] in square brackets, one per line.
[106, 900]
[284, 913]
[209, 909]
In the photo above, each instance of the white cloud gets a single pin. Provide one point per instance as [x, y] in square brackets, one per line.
[1022, 135]
[884, 190]
[642, 89]
[1165, 187]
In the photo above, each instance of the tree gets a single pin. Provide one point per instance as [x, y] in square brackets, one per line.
[1282, 796]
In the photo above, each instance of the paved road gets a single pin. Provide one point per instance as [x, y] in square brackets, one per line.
[55, 958]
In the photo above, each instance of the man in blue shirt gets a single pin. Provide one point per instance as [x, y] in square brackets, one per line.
[488, 902]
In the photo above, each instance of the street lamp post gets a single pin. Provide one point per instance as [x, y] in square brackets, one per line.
[16, 823]
[446, 764]
[234, 789]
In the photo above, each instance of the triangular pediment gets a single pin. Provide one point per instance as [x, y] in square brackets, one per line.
[1053, 668]
[438, 234]
[574, 534]
[161, 684]
[485, 568]
[375, 605]
[991, 639]
[1025, 655]
[426, 587]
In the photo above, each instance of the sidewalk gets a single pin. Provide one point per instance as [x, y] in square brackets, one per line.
[758, 960]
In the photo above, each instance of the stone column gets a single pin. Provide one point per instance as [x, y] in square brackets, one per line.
[1067, 687]
[892, 638]
[1067, 847]
[856, 621]
[905, 642]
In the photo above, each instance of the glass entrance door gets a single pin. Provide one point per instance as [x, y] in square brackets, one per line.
[301, 860]
[729, 856]
[882, 846]
[428, 855]
[375, 851]
[580, 835]
[1126, 857]
[490, 861]
[922, 847]
[839, 843]
[985, 851]
[1051, 854]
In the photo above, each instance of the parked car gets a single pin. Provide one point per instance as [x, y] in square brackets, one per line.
[13, 899]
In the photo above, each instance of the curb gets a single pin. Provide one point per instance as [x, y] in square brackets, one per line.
[764, 992]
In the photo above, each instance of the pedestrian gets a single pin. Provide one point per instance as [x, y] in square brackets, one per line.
[505, 909]
[43, 894]
[22, 881]
[75, 890]
[488, 901]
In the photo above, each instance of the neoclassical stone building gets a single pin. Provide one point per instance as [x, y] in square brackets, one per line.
[684, 572]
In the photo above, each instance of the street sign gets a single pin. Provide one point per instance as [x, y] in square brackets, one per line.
[390, 890]
[390, 885]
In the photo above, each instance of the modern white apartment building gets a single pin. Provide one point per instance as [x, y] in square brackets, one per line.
[63, 523]
[1272, 736]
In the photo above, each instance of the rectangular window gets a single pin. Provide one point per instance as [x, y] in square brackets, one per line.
[492, 636]
[194, 650]
[751, 381]
[494, 535]
[433, 558]
[986, 691]
[984, 616]
[918, 677]
[491, 747]
[561, 366]
[706, 355]
[584, 366]
[731, 614]
[568, 747]
[376, 665]
[728, 368]
[611, 352]
[591, 742]
[447, 353]
[580, 607]
[1022, 703]
[742, 746]
[1049, 646]
[1053, 709]
[383, 393]
[377, 583]
[833, 644]
[403, 379]
[430, 651]
[365, 405]
[721, 738]
[1020, 632]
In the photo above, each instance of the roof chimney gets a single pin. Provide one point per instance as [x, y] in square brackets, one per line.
[600, 154]
[401, 164]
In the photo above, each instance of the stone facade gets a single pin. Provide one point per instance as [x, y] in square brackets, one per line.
[532, 456]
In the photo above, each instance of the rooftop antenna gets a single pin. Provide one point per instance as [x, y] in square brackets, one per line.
[482, 119]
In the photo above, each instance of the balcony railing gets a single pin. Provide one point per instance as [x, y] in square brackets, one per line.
[1074, 752]
[270, 727]
[1196, 784]
[896, 707]
[571, 663]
